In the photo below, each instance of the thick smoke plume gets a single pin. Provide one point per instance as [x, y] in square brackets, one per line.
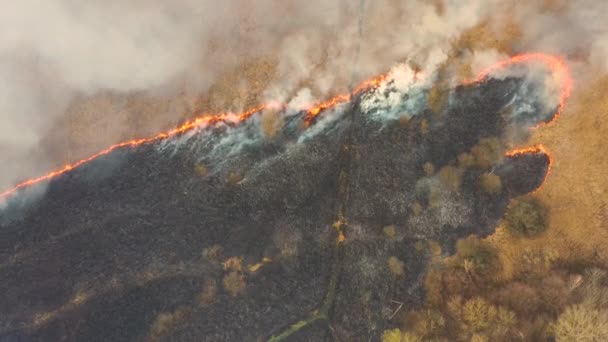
[77, 76]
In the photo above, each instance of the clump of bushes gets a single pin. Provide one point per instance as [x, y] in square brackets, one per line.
[396, 335]
[429, 168]
[480, 317]
[490, 183]
[488, 152]
[396, 266]
[234, 283]
[581, 323]
[476, 256]
[451, 177]
[235, 177]
[426, 323]
[526, 216]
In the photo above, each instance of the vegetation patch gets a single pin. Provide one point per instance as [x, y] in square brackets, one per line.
[526, 216]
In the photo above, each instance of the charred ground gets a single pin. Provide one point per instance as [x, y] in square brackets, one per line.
[116, 244]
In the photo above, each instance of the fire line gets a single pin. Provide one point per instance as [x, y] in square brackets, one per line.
[555, 64]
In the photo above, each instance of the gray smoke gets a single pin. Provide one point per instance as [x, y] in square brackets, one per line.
[53, 53]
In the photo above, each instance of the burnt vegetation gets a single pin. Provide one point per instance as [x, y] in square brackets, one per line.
[415, 200]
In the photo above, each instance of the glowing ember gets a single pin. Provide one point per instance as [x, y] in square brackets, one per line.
[557, 66]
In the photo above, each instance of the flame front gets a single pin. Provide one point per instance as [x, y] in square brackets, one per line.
[557, 66]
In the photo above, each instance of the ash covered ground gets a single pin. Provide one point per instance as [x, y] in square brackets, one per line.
[218, 235]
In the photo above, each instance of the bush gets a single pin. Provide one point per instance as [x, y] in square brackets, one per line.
[396, 335]
[235, 177]
[478, 314]
[426, 323]
[396, 266]
[490, 183]
[201, 170]
[451, 177]
[234, 283]
[488, 152]
[428, 168]
[581, 323]
[389, 231]
[476, 256]
[526, 216]
[519, 297]
[594, 290]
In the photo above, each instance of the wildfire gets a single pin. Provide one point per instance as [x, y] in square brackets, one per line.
[312, 113]
[557, 66]
[537, 149]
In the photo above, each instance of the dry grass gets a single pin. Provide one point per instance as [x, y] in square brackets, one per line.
[575, 190]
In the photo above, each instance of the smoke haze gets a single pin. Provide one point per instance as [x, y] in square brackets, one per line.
[77, 76]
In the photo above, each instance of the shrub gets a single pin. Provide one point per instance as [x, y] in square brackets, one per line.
[594, 290]
[488, 152]
[389, 231]
[235, 177]
[479, 338]
[581, 323]
[165, 321]
[208, 292]
[416, 209]
[424, 127]
[233, 263]
[428, 168]
[476, 256]
[201, 170]
[426, 323]
[212, 253]
[490, 183]
[451, 177]
[478, 314]
[554, 292]
[526, 216]
[396, 335]
[396, 266]
[234, 283]
[465, 160]
[519, 297]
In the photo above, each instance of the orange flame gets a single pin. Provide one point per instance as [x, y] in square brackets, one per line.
[312, 113]
[555, 64]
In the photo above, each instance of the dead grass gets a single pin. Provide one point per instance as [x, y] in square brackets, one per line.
[575, 190]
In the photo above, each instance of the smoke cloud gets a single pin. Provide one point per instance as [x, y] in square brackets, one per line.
[77, 76]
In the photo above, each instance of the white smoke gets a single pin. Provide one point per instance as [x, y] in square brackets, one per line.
[52, 52]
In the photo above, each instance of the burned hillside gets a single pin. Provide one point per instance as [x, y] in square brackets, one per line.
[222, 233]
